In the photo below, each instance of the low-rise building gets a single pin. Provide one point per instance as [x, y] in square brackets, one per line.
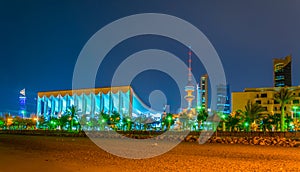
[265, 98]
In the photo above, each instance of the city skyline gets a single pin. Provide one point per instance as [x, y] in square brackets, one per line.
[42, 40]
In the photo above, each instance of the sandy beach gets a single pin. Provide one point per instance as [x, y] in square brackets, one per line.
[41, 153]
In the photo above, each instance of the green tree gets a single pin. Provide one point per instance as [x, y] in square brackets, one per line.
[29, 123]
[235, 120]
[168, 120]
[63, 121]
[126, 123]
[184, 120]
[252, 110]
[16, 122]
[283, 97]
[271, 121]
[53, 123]
[103, 120]
[41, 123]
[93, 123]
[296, 123]
[82, 122]
[266, 122]
[223, 117]
[72, 114]
[288, 122]
[138, 121]
[201, 117]
[8, 121]
[115, 119]
[2, 122]
[23, 124]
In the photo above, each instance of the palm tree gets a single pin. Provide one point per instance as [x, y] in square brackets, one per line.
[93, 123]
[115, 119]
[201, 116]
[184, 120]
[2, 122]
[53, 123]
[138, 121]
[169, 120]
[288, 122]
[296, 124]
[235, 120]
[126, 123]
[223, 118]
[72, 114]
[271, 121]
[40, 121]
[82, 122]
[29, 123]
[8, 121]
[252, 110]
[16, 122]
[283, 96]
[23, 123]
[103, 120]
[266, 122]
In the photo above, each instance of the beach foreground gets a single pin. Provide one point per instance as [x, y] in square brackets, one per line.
[41, 153]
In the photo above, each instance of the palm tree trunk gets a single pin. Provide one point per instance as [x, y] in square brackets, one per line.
[282, 118]
[79, 127]
[199, 125]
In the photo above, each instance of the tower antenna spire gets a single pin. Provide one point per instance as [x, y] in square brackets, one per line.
[189, 88]
[190, 64]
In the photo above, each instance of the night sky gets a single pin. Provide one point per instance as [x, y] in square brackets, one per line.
[41, 40]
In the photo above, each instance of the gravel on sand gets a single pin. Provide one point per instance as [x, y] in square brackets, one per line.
[48, 154]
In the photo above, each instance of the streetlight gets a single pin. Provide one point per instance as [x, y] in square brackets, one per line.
[169, 118]
[23, 113]
[246, 125]
[199, 108]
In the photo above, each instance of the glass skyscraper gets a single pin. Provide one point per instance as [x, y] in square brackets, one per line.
[282, 71]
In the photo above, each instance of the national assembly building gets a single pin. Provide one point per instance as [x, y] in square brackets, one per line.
[93, 101]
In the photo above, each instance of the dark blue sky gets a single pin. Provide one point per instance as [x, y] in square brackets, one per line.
[41, 40]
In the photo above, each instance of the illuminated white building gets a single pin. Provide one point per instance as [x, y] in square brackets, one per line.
[93, 101]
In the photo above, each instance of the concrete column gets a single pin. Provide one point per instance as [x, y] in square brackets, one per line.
[92, 97]
[130, 102]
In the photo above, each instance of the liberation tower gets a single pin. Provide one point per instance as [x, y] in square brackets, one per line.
[189, 88]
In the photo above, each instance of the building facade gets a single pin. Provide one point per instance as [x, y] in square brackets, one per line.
[204, 91]
[223, 99]
[282, 71]
[22, 104]
[265, 98]
[93, 101]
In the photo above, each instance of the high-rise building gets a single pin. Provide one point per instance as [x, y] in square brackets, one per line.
[223, 99]
[198, 99]
[204, 91]
[22, 104]
[282, 71]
